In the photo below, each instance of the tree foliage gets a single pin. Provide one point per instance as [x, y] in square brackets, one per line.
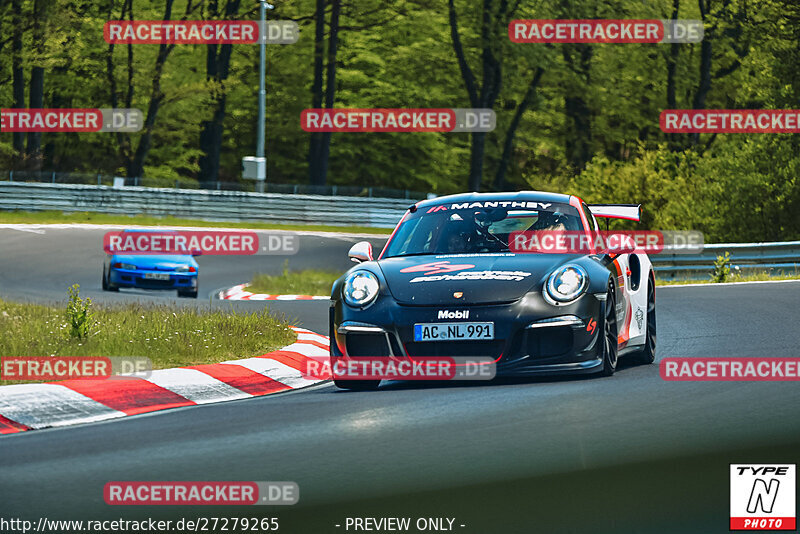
[576, 118]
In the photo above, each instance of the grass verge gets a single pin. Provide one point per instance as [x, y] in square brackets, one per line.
[57, 217]
[307, 282]
[169, 337]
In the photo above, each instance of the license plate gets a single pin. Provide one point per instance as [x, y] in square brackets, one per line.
[156, 276]
[453, 331]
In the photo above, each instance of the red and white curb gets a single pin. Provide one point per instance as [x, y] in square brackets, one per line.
[35, 406]
[239, 293]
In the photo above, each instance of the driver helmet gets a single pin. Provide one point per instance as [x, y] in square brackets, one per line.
[550, 221]
[457, 235]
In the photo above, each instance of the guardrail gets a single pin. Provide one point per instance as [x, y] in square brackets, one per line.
[234, 206]
[54, 177]
[745, 258]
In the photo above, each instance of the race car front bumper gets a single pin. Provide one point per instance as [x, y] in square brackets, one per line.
[138, 278]
[531, 335]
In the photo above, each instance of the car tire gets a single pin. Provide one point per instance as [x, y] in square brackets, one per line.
[357, 385]
[648, 353]
[107, 285]
[610, 346]
[187, 294]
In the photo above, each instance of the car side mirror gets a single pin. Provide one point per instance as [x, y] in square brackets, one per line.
[622, 245]
[197, 252]
[360, 252]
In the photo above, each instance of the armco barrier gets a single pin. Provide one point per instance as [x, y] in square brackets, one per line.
[232, 206]
[781, 257]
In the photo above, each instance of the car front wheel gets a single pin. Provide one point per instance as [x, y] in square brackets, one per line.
[609, 343]
[107, 285]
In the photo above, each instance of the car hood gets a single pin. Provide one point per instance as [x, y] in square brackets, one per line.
[434, 280]
[155, 261]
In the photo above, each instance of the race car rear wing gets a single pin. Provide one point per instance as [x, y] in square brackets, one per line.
[631, 212]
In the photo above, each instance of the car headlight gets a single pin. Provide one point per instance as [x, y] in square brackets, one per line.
[567, 283]
[185, 269]
[125, 266]
[360, 288]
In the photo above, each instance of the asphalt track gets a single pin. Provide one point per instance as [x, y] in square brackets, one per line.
[630, 453]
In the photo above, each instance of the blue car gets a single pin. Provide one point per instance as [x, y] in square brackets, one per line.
[149, 271]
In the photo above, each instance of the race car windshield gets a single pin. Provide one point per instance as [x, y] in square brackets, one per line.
[475, 230]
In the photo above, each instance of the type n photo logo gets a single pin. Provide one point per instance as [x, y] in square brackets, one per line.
[763, 497]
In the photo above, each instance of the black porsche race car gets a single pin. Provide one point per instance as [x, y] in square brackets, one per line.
[450, 283]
